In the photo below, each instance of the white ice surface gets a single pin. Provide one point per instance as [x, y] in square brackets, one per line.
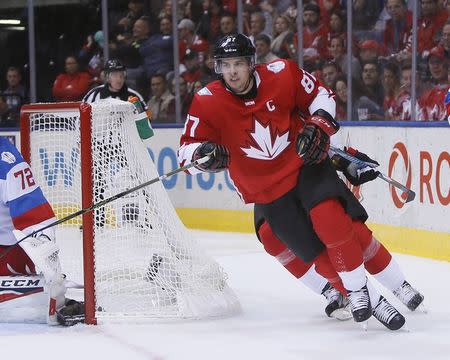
[281, 319]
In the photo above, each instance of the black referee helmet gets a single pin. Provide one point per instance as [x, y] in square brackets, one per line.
[113, 65]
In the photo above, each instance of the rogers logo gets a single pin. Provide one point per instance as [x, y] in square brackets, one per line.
[400, 151]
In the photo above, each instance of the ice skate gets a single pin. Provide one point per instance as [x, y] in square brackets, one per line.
[388, 315]
[360, 304]
[71, 313]
[409, 296]
[338, 305]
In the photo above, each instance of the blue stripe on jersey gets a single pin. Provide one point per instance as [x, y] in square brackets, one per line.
[26, 202]
[447, 98]
[6, 146]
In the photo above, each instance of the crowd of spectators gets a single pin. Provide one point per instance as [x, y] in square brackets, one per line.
[380, 59]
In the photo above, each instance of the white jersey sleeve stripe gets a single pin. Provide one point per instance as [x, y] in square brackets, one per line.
[185, 153]
[324, 100]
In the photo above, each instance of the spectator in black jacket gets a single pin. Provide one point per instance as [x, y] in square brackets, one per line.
[14, 97]
[128, 52]
[157, 50]
[209, 26]
[135, 11]
[365, 14]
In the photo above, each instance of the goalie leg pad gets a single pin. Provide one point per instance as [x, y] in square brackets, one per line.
[30, 299]
[23, 299]
[56, 291]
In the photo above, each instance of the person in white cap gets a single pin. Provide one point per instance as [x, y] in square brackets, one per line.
[190, 40]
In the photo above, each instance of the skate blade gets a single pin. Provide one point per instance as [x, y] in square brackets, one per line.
[364, 324]
[404, 328]
[422, 308]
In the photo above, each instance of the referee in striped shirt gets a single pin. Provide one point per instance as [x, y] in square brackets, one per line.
[115, 86]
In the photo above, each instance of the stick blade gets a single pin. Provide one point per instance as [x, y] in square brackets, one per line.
[410, 196]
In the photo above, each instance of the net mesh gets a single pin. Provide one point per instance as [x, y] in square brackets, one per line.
[146, 263]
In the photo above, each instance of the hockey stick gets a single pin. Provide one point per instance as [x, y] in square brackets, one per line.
[108, 200]
[410, 194]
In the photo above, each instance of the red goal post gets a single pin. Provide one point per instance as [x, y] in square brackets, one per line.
[86, 164]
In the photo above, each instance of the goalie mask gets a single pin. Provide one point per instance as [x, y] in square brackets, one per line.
[233, 46]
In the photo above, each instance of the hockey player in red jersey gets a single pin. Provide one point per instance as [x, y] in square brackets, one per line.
[377, 259]
[249, 123]
[32, 287]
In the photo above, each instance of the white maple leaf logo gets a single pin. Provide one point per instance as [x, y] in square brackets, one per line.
[267, 150]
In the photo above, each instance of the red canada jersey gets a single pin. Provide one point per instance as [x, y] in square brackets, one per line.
[403, 36]
[433, 103]
[199, 44]
[316, 39]
[429, 28]
[399, 107]
[259, 133]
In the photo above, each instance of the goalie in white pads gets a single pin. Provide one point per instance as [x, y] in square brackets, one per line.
[32, 287]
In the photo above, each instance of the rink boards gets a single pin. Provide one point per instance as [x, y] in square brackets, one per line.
[415, 156]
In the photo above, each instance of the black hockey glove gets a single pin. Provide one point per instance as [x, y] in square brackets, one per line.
[313, 142]
[219, 157]
[356, 174]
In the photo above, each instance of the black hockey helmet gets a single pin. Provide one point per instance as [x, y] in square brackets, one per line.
[113, 65]
[231, 46]
[234, 45]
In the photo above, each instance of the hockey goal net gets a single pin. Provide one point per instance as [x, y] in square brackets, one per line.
[136, 258]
